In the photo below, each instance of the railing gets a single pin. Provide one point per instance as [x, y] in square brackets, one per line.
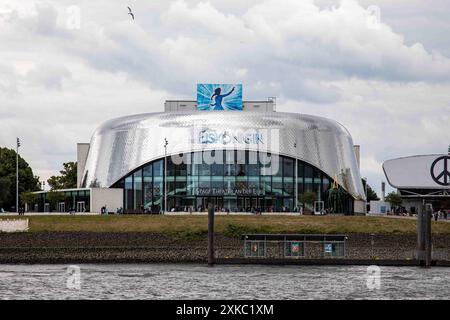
[294, 246]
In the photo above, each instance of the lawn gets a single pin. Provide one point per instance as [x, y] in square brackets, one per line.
[229, 224]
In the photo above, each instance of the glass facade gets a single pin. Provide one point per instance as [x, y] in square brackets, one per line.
[62, 201]
[238, 181]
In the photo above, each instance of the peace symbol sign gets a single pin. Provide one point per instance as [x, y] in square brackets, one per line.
[442, 178]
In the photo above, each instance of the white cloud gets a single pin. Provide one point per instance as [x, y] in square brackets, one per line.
[390, 89]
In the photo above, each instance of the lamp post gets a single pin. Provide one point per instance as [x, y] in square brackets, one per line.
[165, 174]
[17, 174]
[365, 193]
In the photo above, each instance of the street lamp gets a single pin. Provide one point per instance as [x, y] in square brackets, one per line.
[365, 193]
[165, 174]
[17, 175]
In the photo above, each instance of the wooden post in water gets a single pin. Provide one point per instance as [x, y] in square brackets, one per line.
[428, 217]
[211, 259]
[424, 235]
[420, 252]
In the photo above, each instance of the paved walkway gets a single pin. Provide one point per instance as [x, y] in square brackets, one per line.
[202, 214]
[49, 214]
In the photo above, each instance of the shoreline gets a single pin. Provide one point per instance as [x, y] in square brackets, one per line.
[146, 247]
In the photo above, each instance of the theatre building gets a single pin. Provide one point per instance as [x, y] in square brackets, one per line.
[241, 159]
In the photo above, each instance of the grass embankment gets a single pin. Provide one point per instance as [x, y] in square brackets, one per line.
[186, 226]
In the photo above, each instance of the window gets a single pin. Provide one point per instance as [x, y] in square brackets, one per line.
[148, 186]
[180, 187]
[170, 167]
[288, 167]
[158, 168]
[270, 183]
[308, 178]
[137, 182]
[217, 169]
[129, 192]
[192, 185]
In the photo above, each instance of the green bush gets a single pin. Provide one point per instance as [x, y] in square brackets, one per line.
[188, 234]
[309, 231]
[238, 230]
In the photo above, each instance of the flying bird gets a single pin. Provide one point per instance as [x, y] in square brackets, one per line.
[130, 13]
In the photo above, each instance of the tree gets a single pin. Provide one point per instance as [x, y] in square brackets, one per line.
[28, 198]
[394, 199]
[27, 180]
[308, 198]
[55, 197]
[67, 179]
[5, 186]
[371, 194]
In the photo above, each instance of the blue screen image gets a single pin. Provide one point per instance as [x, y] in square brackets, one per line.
[219, 97]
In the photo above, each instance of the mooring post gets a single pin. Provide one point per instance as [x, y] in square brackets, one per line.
[420, 252]
[428, 214]
[424, 235]
[211, 259]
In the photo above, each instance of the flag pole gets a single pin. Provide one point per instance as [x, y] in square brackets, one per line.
[17, 175]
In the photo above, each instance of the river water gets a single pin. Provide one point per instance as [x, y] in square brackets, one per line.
[189, 281]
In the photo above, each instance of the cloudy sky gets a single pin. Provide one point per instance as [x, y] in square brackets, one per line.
[381, 68]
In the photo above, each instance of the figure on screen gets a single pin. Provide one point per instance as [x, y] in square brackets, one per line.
[218, 98]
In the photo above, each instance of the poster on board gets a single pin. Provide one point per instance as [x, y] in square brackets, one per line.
[219, 97]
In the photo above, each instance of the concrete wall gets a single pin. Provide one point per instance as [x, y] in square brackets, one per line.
[179, 105]
[258, 106]
[184, 105]
[82, 153]
[112, 198]
[376, 206]
[360, 206]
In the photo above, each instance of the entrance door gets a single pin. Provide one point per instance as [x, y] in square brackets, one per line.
[81, 206]
[248, 204]
[230, 204]
[219, 204]
[278, 204]
[61, 207]
[268, 204]
[255, 203]
[241, 204]
[288, 204]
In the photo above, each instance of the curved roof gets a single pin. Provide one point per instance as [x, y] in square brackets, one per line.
[415, 172]
[123, 144]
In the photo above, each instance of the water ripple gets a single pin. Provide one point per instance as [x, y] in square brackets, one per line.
[170, 281]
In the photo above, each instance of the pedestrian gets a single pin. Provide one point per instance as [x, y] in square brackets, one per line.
[436, 216]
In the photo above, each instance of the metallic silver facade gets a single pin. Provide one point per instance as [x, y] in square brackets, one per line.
[123, 144]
